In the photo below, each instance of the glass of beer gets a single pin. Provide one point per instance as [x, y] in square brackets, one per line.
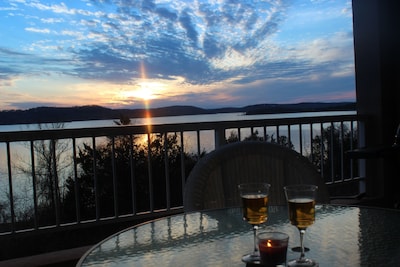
[255, 212]
[301, 206]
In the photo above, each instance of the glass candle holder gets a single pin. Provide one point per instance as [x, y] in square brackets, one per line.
[273, 248]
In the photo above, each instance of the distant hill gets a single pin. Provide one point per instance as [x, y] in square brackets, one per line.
[81, 113]
[300, 107]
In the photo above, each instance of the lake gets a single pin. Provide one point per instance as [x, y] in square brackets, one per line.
[173, 119]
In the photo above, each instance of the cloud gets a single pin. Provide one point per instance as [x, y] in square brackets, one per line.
[61, 8]
[186, 22]
[8, 69]
[52, 20]
[28, 105]
[166, 13]
[201, 43]
[30, 29]
[16, 65]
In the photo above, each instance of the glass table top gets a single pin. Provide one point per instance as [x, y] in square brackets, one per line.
[340, 236]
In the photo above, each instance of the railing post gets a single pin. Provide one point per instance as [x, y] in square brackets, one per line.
[77, 181]
[166, 168]
[95, 181]
[219, 137]
[56, 198]
[151, 192]
[361, 162]
[35, 202]
[10, 188]
[114, 176]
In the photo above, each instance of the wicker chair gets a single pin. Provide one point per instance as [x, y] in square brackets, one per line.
[213, 181]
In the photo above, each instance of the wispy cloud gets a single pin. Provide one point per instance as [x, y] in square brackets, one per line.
[30, 29]
[204, 45]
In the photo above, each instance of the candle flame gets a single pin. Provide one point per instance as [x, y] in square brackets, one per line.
[269, 243]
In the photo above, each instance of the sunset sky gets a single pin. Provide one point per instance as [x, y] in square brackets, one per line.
[206, 53]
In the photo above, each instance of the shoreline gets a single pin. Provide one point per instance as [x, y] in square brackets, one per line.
[44, 115]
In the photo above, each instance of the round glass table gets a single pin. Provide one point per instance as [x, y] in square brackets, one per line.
[340, 236]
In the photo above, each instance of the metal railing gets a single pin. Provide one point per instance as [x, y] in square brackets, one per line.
[60, 177]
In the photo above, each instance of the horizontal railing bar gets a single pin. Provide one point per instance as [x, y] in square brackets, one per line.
[343, 181]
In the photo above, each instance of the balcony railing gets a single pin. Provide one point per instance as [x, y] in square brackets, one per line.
[61, 177]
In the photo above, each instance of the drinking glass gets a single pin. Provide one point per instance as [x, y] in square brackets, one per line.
[255, 212]
[301, 205]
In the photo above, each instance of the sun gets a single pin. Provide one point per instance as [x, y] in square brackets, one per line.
[145, 91]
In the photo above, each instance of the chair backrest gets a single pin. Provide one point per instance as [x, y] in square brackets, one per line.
[214, 180]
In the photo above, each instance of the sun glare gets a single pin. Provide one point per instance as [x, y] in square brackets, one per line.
[145, 91]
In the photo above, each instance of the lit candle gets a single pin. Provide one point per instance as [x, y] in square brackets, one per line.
[273, 248]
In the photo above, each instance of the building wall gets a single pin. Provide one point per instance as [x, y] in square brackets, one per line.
[377, 63]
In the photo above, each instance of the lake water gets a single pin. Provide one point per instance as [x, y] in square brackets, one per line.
[174, 119]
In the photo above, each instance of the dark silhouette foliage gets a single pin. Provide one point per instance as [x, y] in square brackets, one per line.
[141, 180]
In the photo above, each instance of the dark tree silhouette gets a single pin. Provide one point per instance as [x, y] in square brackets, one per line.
[333, 141]
[52, 164]
[127, 188]
[282, 140]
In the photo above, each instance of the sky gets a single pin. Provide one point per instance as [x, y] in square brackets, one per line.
[157, 53]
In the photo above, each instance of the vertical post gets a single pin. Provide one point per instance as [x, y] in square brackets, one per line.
[77, 185]
[95, 182]
[322, 150]
[219, 137]
[114, 176]
[311, 142]
[341, 140]
[10, 188]
[301, 138]
[331, 150]
[198, 143]
[167, 176]
[362, 167]
[183, 169]
[56, 183]
[132, 168]
[35, 203]
[151, 193]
